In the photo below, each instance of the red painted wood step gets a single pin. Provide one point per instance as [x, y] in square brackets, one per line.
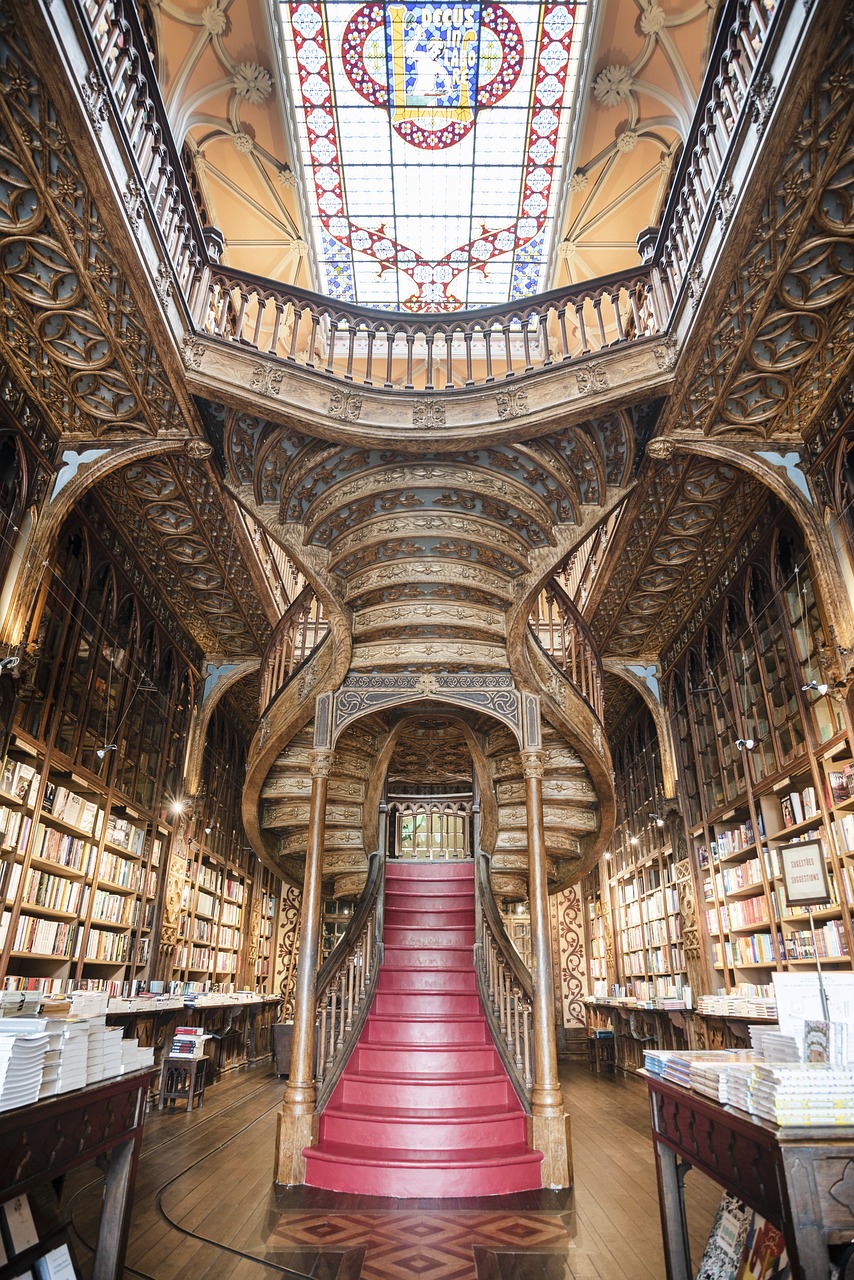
[424, 1106]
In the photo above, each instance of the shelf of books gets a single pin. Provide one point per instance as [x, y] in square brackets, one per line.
[78, 880]
[648, 926]
[752, 927]
[211, 934]
[596, 933]
[268, 888]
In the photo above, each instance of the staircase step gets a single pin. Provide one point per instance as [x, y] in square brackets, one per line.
[409, 1061]
[398, 918]
[420, 1032]
[431, 1174]
[415, 958]
[405, 979]
[415, 871]
[365, 1092]
[405, 1004]
[412, 936]
[395, 1132]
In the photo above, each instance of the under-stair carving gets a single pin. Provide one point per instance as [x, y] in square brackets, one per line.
[424, 1106]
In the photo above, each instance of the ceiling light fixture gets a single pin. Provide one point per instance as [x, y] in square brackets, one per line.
[654, 817]
[9, 664]
[102, 751]
[820, 689]
[745, 744]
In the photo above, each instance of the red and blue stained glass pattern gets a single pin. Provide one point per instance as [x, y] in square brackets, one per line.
[434, 138]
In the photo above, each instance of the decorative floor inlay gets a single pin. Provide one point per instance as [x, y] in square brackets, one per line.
[428, 1245]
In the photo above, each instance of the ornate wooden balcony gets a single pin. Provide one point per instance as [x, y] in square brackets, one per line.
[401, 353]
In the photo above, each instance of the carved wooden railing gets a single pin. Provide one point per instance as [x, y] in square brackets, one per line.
[506, 987]
[731, 85]
[429, 353]
[347, 980]
[399, 352]
[299, 631]
[565, 637]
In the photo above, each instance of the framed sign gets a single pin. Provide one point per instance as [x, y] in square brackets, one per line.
[805, 874]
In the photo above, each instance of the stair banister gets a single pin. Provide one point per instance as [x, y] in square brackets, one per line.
[506, 986]
[347, 979]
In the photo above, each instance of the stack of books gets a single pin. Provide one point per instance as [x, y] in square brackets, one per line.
[95, 1052]
[713, 1078]
[112, 1052]
[188, 1042]
[71, 1073]
[803, 1093]
[21, 1066]
[135, 1057]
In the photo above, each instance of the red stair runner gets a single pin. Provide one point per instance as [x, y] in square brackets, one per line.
[424, 1106]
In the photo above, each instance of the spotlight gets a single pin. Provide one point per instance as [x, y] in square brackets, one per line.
[745, 744]
[178, 807]
[9, 664]
[654, 817]
[633, 840]
[820, 689]
[208, 830]
[102, 751]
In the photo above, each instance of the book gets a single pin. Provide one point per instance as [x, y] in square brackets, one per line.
[723, 1252]
[19, 1229]
[57, 1264]
[763, 1253]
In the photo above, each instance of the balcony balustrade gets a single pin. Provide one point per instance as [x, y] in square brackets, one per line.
[397, 352]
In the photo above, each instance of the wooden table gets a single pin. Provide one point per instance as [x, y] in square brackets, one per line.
[43, 1141]
[801, 1180]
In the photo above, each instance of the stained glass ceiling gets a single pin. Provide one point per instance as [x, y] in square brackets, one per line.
[433, 138]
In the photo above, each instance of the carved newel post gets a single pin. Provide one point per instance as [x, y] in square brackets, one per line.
[297, 1125]
[549, 1124]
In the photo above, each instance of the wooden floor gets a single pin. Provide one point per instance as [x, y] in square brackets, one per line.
[206, 1207]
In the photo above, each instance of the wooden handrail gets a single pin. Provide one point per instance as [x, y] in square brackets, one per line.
[347, 979]
[506, 987]
[299, 632]
[567, 641]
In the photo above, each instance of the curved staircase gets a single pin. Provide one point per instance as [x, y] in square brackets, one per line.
[424, 1106]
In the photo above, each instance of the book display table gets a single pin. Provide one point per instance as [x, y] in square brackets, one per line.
[182, 1079]
[42, 1142]
[801, 1180]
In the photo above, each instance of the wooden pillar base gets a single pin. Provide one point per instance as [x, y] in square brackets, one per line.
[292, 1134]
[552, 1135]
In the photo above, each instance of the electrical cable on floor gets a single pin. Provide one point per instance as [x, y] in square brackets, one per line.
[273, 1266]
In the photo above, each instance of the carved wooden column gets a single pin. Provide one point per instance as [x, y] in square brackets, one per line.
[297, 1118]
[549, 1124]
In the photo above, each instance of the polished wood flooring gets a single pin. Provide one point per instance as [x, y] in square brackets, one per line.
[205, 1205]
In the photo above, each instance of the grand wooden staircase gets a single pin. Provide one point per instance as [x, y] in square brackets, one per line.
[424, 1106]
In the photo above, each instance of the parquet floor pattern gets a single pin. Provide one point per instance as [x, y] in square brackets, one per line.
[206, 1209]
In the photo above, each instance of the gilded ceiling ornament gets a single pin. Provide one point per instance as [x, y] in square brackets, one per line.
[345, 405]
[93, 94]
[252, 83]
[613, 85]
[428, 413]
[194, 350]
[662, 449]
[593, 377]
[512, 403]
[761, 101]
[215, 18]
[198, 448]
[666, 355]
[652, 20]
[267, 379]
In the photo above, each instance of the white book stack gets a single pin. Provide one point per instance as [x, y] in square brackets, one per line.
[804, 1094]
[777, 1047]
[112, 1052]
[739, 1088]
[53, 1029]
[72, 1061]
[21, 1066]
[713, 1078]
[95, 1053]
[89, 1004]
[135, 1057]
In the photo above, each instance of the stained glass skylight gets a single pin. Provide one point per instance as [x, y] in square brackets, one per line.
[432, 140]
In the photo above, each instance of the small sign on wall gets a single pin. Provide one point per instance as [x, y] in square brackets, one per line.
[805, 874]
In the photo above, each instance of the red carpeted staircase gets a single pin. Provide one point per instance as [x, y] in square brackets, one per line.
[424, 1106]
